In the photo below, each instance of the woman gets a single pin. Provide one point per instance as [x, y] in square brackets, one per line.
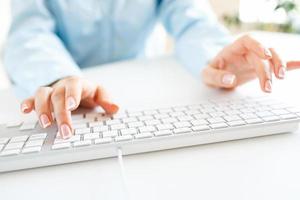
[50, 40]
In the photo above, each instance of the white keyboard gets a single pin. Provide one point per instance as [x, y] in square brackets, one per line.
[23, 144]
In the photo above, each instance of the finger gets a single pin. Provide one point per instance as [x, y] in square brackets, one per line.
[73, 93]
[263, 71]
[219, 78]
[27, 105]
[279, 66]
[102, 99]
[42, 106]
[62, 115]
[293, 65]
[247, 44]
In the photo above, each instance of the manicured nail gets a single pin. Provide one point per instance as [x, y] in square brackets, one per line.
[24, 107]
[45, 122]
[65, 131]
[228, 79]
[281, 72]
[268, 53]
[268, 86]
[71, 104]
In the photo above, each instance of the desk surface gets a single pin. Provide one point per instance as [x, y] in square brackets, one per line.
[260, 168]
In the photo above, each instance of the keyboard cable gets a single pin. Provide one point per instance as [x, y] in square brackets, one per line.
[123, 175]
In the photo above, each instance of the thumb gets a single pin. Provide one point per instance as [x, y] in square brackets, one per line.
[219, 78]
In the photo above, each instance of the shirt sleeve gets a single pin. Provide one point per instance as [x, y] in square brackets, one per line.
[198, 35]
[34, 54]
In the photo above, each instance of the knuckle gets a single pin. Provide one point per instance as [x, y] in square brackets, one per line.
[56, 95]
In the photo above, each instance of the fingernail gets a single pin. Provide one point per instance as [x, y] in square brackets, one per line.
[65, 131]
[268, 86]
[45, 122]
[71, 104]
[268, 53]
[24, 107]
[281, 72]
[114, 108]
[228, 79]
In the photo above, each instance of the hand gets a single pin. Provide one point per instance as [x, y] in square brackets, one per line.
[62, 98]
[242, 61]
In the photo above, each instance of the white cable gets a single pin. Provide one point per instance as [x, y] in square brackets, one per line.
[123, 176]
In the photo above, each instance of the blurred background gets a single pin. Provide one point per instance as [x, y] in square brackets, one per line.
[238, 15]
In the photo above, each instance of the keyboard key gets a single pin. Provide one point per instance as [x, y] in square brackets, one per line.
[4, 140]
[150, 112]
[215, 120]
[143, 135]
[129, 119]
[82, 131]
[100, 128]
[184, 118]
[82, 143]
[129, 131]
[163, 133]
[10, 152]
[218, 125]
[145, 118]
[17, 145]
[123, 138]
[61, 145]
[38, 136]
[264, 114]
[200, 128]
[271, 118]
[287, 116]
[161, 116]
[236, 123]
[91, 136]
[71, 139]
[169, 120]
[110, 133]
[199, 122]
[94, 124]
[182, 130]
[79, 126]
[28, 126]
[1, 146]
[14, 124]
[103, 140]
[152, 122]
[32, 149]
[201, 116]
[161, 127]
[113, 122]
[22, 138]
[135, 114]
[135, 124]
[176, 114]
[147, 129]
[232, 118]
[34, 143]
[217, 114]
[248, 116]
[182, 124]
[254, 121]
[117, 126]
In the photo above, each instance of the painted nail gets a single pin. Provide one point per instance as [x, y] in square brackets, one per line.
[228, 79]
[114, 108]
[45, 122]
[281, 72]
[24, 107]
[268, 86]
[268, 53]
[65, 131]
[71, 104]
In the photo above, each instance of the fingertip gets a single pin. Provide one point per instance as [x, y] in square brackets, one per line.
[268, 86]
[267, 53]
[228, 80]
[110, 108]
[25, 108]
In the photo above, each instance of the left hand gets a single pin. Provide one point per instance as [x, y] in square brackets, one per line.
[242, 61]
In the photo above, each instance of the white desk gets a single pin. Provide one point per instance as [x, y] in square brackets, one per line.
[260, 168]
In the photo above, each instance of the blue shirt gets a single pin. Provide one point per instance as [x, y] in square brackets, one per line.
[52, 39]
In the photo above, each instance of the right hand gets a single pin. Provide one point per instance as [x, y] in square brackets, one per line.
[63, 97]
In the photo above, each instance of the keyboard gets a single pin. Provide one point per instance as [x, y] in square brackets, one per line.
[24, 144]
